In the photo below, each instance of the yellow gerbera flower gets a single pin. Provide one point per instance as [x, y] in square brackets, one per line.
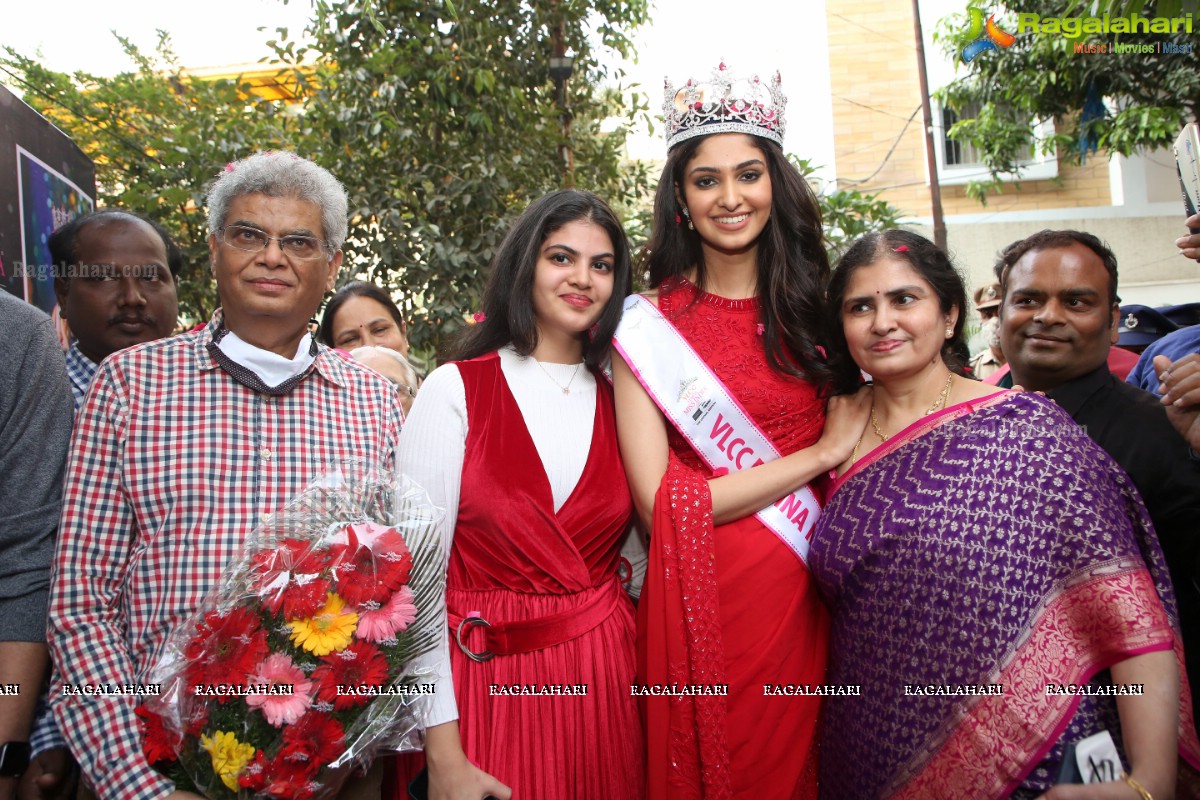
[330, 629]
[229, 756]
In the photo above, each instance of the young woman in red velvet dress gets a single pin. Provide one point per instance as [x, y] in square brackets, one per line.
[738, 266]
[516, 439]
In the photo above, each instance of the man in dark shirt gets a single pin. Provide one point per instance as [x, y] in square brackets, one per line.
[1057, 321]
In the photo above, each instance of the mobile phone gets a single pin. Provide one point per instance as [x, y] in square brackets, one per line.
[1187, 160]
[1091, 760]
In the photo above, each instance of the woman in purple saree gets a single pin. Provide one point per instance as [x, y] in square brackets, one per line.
[982, 560]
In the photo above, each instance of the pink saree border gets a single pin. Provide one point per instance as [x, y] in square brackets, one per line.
[1000, 739]
[917, 429]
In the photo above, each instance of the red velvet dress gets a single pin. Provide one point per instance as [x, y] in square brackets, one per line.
[730, 604]
[514, 560]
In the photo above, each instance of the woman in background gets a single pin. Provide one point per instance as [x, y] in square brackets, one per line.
[362, 314]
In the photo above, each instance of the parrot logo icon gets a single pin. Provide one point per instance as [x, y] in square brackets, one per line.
[983, 36]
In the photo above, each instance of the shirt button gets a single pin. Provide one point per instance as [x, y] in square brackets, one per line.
[265, 453]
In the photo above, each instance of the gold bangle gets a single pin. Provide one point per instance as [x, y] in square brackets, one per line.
[1137, 787]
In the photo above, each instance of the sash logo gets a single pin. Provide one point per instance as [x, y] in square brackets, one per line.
[702, 411]
[690, 393]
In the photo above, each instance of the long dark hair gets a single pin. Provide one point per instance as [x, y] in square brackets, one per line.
[508, 314]
[357, 289]
[930, 262]
[792, 265]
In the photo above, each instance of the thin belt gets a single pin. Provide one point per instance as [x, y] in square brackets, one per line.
[525, 636]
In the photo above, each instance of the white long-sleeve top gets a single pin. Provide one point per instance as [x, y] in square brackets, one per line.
[433, 442]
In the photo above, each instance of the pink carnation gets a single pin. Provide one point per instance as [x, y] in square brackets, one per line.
[278, 671]
[383, 623]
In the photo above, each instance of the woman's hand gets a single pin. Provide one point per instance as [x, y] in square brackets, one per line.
[451, 775]
[1113, 790]
[845, 420]
[465, 781]
[1149, 723]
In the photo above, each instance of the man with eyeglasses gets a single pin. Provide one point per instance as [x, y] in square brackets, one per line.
[183, 445]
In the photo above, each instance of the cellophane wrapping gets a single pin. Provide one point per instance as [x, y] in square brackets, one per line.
[304, 662]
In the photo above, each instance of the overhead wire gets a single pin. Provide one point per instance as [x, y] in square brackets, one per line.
[887, 157]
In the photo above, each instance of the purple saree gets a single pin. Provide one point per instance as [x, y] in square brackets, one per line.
[991, 547]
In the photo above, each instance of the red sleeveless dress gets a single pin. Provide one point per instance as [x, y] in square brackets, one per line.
[542, 576]
[731, 604]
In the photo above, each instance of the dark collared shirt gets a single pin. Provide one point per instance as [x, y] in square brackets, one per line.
[1132, 426]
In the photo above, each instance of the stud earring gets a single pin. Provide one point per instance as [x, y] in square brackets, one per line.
[949, 332]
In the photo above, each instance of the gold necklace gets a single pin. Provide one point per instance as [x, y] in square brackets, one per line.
[565, 389]
[938, 405]
[875, 425]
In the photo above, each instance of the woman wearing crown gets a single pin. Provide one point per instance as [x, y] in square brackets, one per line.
[722, 426]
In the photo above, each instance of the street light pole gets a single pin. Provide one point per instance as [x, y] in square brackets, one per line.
[561, 66]
[935, 189]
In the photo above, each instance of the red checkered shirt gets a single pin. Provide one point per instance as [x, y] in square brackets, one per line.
[172, 464]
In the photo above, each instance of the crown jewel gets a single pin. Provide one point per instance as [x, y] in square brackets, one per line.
[725, 103]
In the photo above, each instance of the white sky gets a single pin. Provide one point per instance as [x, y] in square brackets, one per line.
[685, 38]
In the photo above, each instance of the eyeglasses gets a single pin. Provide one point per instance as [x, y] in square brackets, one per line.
[252, 240]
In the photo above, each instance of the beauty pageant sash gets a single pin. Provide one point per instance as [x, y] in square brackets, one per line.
[700, 407]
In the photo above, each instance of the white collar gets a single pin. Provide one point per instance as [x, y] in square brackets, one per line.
[271, 368]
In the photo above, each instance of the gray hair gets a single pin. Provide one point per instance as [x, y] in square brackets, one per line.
[282, 174]
[411, 376]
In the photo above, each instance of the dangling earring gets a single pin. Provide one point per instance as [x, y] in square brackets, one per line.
[691, 227]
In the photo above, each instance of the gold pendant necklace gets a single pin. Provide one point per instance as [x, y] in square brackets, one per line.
[565, 389]
[938, 405]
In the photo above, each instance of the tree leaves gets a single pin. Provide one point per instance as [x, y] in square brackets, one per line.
[1149, 95]
[440, 118]
[157, 138]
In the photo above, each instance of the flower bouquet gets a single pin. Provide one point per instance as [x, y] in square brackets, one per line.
[300, 666]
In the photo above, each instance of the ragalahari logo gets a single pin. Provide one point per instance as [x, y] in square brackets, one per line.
[983, 37]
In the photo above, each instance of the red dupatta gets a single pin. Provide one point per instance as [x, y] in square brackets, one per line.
[688, 754]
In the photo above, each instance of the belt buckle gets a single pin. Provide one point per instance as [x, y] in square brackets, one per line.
[474, 618]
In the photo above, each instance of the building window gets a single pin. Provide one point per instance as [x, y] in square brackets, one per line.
[960, 162]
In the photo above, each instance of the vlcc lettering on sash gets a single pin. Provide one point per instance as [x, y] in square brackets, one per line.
[737, 450]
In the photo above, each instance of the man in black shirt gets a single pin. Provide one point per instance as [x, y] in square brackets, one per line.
[1057, 320]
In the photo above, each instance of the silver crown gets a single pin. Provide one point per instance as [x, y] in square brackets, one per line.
[724, 104]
